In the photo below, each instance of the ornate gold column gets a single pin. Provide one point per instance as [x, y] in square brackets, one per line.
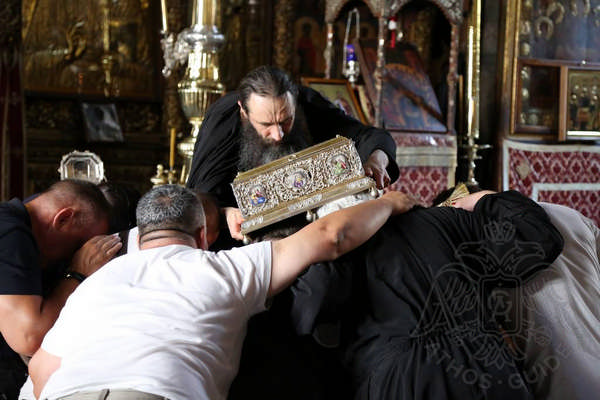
[283, 40]
[172, 114]
[379, 70]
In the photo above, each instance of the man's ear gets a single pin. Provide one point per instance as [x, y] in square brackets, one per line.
[200, 237]
[63, 218]
[242, 111]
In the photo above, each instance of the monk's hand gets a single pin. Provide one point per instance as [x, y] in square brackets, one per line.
[375, 167]
[401, 202]
[234, 222]
[95, 253]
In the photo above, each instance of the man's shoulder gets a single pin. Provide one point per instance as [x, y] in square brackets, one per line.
[254, 248]
[14, 218]
[13, 210]
[222, 113]
[559, 209]
[307, 95]
[227, 102]
[244, 257]
[567, 219]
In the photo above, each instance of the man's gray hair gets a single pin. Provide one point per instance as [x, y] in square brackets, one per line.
[169, 207]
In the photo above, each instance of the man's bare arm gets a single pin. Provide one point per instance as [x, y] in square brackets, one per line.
[332, 236]
[25, 319]
[41, 366]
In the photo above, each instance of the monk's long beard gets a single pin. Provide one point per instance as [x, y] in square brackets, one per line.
[256, 151]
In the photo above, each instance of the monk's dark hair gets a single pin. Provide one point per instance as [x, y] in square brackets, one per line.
[280, 229]
[268, 81]
[123, 201]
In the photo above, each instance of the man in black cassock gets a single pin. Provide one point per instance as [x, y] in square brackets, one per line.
[420, 308]
[421, 305]
[284, 118]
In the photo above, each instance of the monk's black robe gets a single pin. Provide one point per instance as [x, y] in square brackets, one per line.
[216, 153]
[421, 304]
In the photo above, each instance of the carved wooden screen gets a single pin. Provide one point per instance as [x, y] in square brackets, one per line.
[382, 10]
[551, 75]
[91, 47]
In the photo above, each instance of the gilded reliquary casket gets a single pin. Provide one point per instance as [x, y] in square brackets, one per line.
[300, 182]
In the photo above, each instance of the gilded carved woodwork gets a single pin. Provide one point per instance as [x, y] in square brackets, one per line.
[172, 113]
[546, 44]
[54, 122]
[65, 115]
[10, 25]
[246, 25]
[333, 8]
[383, 9]
[89, 47]
[55, 126]
[12, 144]
[283, 37]
[252, 34]
[452, 9]
[419, 33]
[232, 57]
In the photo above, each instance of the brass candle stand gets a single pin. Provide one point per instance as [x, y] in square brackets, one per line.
[162, 177]
[472, 93]
[169, 176]
[200, 86]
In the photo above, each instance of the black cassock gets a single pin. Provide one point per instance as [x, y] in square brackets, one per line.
[216, 153]
[420, 306]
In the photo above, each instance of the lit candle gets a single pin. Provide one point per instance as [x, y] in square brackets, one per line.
[172, 150]
[163, 14]
[470, 103]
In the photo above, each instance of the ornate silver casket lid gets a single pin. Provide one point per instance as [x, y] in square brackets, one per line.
[83, 165]
[299, 182]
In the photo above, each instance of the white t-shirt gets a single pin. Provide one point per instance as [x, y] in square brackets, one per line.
[132, 240]
[169, 321]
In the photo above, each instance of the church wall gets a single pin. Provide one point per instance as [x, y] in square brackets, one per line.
[257, 32]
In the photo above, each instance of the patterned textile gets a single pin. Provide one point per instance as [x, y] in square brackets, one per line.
[559, 174]
[427, 163]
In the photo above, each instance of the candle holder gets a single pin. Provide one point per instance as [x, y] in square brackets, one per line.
[472, 154]
[351, 70]
[164, 177]
[472, 94]
[200, 87]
